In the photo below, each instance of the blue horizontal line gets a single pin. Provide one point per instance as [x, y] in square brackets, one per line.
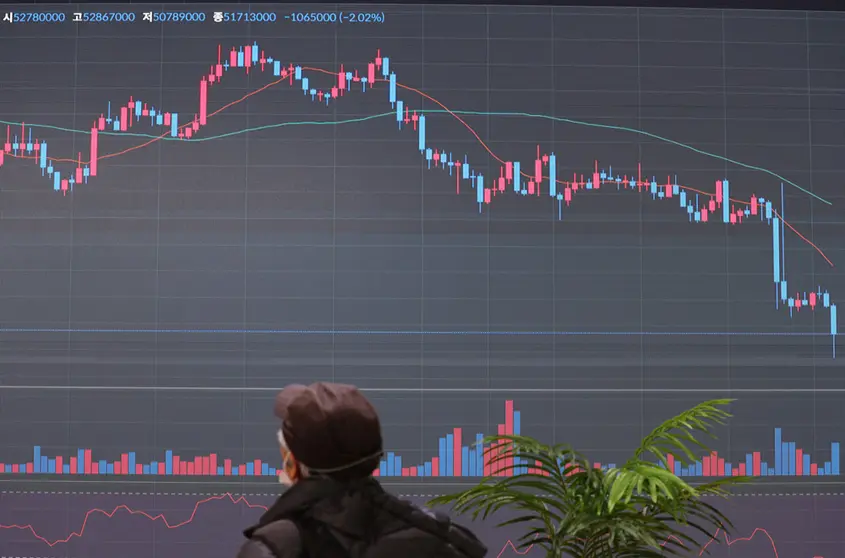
[420, 332]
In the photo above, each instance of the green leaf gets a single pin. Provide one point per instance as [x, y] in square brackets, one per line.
[638, 510]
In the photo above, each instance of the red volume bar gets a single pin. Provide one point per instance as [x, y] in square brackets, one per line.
[83, 464]
[456, 457]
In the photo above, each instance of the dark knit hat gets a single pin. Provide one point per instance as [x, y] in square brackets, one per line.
[330, 428]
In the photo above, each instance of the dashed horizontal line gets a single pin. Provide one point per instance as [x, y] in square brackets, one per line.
[276, 495]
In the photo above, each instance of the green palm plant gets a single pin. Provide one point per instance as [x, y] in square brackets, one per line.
[570, 508]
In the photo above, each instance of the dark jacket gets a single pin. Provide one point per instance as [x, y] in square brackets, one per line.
[354, 513]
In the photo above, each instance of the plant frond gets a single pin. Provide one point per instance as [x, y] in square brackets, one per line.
[566, 506]
[677, 434]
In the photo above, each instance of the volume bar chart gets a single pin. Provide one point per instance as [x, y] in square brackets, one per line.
[456, 456]
[457, 460]
[539, 177]
[83, 463]
[788, 461]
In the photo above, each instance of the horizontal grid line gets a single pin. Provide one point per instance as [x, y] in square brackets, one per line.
[424, 332]
[257, 34]
[21, 86]
[647, 220]
[638, 391]
[276, 494]
[374, 245]
[357, 271]
[447, 64]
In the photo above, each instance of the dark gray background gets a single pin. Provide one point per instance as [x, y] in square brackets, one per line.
[331, 228]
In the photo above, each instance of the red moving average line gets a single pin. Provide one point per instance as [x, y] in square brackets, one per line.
[201, 118]
[243, 500]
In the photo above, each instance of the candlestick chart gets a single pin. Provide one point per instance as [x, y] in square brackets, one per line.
[700, 206]
[568, 223]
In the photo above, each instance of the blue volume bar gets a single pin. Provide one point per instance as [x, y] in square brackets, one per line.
[791, 453]
[441, 454]
[450, 454]
[479, 455]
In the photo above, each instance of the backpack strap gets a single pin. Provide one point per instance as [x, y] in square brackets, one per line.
[433, 523]
[321, 540]
[317, 541]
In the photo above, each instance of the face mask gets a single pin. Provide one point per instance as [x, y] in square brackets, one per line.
[287, 465]
[284, 479]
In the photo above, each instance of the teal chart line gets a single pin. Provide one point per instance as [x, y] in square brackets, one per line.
[536, 178]
[182, 138]
[438, 111]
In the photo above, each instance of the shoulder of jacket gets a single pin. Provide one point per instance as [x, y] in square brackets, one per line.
[279, 539]
[255, 549]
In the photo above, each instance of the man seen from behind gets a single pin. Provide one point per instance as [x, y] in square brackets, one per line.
[331, 442]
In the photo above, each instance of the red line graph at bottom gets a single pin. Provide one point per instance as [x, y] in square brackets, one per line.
[715, 539]
[508, 547]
